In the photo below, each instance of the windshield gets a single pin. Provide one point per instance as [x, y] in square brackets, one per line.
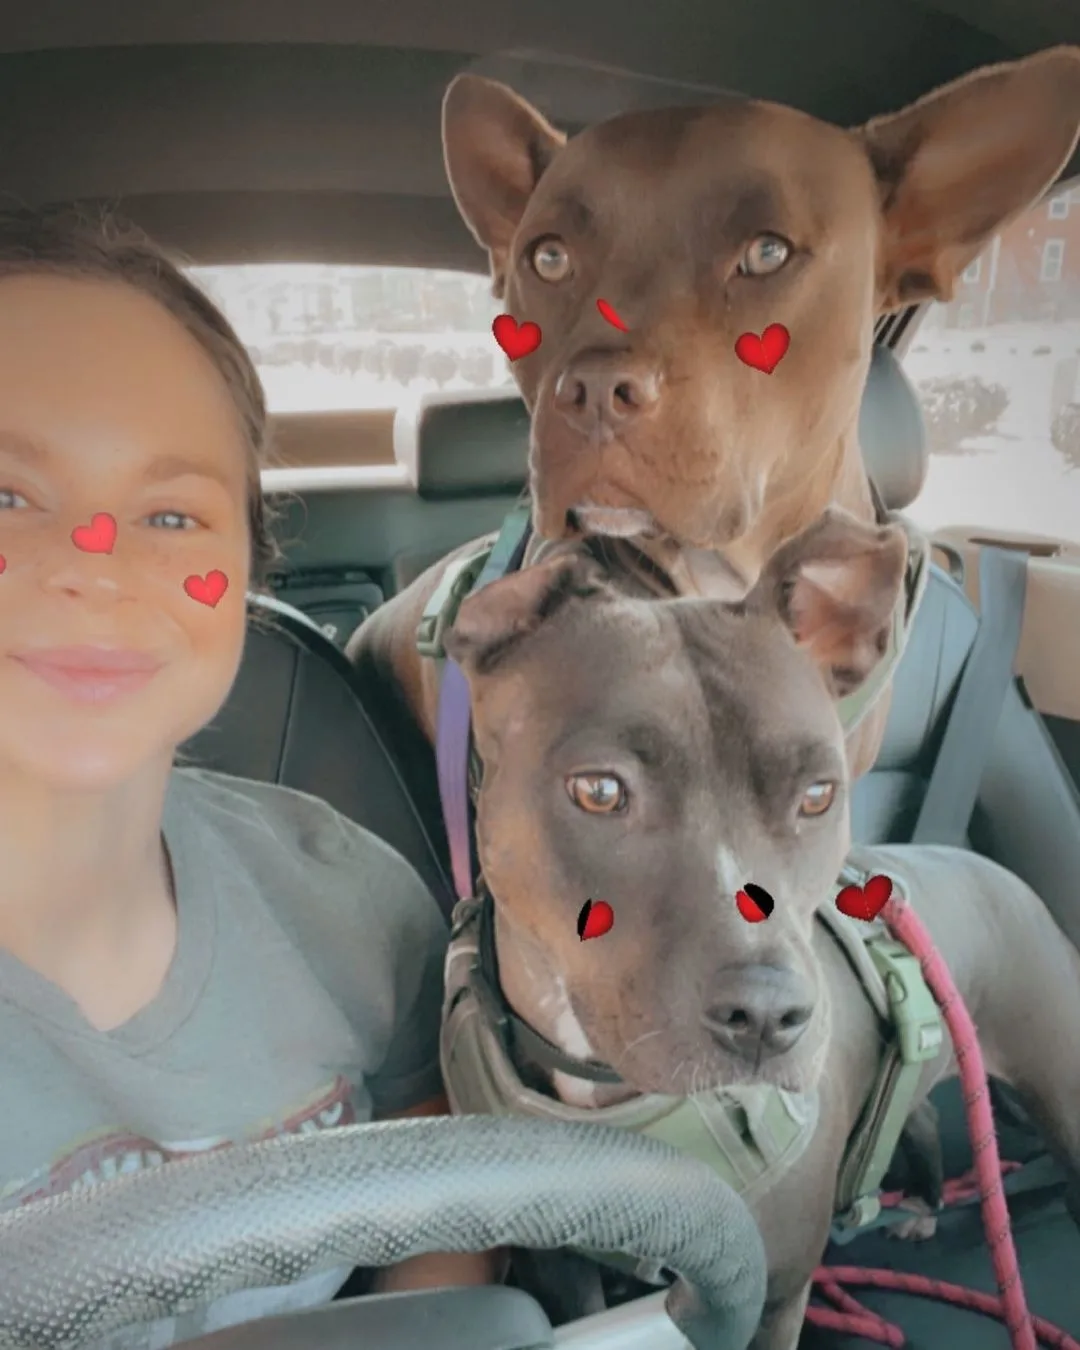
[359, 337]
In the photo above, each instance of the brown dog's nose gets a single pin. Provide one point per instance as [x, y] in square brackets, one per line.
[605, 390]
[762, 1012]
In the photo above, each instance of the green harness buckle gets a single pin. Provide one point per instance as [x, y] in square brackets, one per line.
[441, 610]
[916, 1015]
[462, 577]
[919, 1033]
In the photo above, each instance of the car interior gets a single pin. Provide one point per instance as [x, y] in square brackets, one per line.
[280, 132]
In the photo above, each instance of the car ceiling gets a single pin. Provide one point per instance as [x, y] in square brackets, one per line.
[285, 130]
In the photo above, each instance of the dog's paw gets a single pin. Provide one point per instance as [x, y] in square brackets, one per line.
[920, 1227]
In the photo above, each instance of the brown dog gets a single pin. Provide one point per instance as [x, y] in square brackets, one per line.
[699, 225]
[661, 755]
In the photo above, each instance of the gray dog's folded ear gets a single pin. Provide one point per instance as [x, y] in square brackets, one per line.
[836, 587]
[496, 618]
[495, 146]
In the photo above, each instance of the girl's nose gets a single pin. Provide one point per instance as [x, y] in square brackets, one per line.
[83, 560]
[95, 577]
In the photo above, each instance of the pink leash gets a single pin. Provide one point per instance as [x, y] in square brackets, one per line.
[850, 1317]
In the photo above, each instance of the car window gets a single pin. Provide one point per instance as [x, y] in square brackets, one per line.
[359, 337]
[998, 373]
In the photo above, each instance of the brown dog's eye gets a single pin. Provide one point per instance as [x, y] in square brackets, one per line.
[817, 799]
[551, 259]
[768, 253]
[598, 793]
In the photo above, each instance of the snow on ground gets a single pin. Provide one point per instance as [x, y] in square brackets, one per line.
[300, 388]
[1014, 478]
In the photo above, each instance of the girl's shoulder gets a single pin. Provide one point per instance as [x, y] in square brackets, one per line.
[292, 845]
[334, 886]
[268, 819]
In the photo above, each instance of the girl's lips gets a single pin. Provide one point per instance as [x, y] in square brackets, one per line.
[91, 674]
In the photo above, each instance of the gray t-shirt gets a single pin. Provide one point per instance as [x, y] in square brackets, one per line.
[304, 993]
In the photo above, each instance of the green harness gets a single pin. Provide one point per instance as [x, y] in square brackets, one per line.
[750, 1136]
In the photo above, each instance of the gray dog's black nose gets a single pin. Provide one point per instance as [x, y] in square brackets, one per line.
[761, 1012]
[599, 390]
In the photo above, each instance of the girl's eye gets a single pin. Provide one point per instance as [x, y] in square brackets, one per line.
[173, 520]
[10, 500]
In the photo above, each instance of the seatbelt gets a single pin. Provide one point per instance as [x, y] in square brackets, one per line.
[957, 774]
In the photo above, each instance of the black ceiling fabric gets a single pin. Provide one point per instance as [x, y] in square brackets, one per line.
[286, 130]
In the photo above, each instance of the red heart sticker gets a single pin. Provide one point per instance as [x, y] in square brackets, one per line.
[516, 341]
[97, 537]
[764, 352]
[207, 590]
[596, 918]
[754, 903]
[865, 902]
[3, 563]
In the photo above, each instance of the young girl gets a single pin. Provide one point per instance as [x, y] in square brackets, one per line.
[186, 959]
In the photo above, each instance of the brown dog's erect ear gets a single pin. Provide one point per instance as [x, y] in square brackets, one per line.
[496, 146]
[497, 617]
[961, 163]
[836, 586]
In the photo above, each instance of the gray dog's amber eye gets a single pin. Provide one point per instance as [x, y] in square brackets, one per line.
[768, 253]
[600, 793]
[551, 259]
[817, 799]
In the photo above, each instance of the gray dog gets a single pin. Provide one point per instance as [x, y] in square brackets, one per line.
[662, 755]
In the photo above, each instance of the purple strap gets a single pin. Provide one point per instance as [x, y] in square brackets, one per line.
[453, 734]
[452, 742]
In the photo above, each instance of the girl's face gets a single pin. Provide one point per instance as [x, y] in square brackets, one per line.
[108, 407]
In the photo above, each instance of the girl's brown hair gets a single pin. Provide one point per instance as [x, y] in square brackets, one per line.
[65, 241]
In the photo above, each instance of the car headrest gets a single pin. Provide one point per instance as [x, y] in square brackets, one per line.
[465, 445]
[477, 444]
[892, 432]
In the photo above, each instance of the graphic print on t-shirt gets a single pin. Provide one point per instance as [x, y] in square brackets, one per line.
[117, 1152]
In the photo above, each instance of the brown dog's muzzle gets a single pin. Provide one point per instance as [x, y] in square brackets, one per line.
[600, 394]
[587, 478]
[760, 1012]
